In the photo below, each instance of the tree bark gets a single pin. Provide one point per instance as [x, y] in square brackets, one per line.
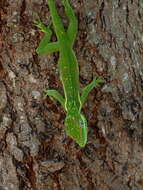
[35, 152]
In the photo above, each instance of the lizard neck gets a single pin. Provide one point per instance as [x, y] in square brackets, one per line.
[72, 106]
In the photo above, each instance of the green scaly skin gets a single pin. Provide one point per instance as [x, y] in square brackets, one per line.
[75, 123]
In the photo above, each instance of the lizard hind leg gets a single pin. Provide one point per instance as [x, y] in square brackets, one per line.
[45, 47]
[41, 26]
[73, 25]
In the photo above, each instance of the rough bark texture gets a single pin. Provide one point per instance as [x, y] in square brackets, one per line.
[35, 153]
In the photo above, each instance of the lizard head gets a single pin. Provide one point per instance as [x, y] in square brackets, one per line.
[76, 127]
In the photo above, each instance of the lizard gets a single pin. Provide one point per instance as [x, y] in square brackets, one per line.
[75, 122]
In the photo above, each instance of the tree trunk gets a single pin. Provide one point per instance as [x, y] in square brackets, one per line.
[35, 152]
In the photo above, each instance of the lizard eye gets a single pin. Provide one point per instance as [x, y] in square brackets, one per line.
[81, 123]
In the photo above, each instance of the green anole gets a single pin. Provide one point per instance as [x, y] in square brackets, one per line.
[75, 122]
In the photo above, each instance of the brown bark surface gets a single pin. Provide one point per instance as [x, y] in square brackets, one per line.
[35, 152]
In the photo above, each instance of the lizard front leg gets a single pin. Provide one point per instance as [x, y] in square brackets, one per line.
[88, 88]
[55, 94]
